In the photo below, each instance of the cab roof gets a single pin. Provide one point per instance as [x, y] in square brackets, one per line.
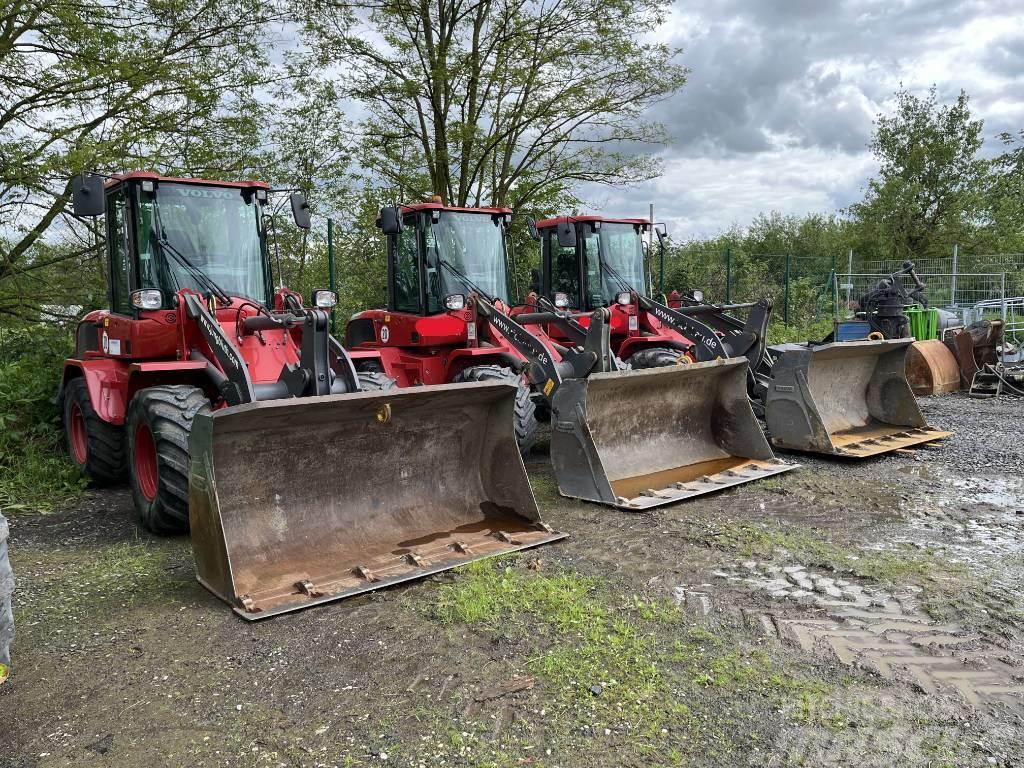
[548, 223]
[119, 178]
[412, 207]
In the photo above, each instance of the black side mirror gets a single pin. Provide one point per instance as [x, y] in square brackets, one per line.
[390, 220]
[87, 195]
[531, 224]
[300, 211]
[662, 232]
[566, 234]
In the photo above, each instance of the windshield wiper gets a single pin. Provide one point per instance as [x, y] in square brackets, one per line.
[460, 276]
[197, 273]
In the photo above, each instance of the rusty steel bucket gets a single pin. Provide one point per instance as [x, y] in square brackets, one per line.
[301, 501]
[932, 369]
[847, 398]
[640, 439]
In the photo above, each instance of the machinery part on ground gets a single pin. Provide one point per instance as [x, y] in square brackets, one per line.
[657, 357]
[848, 399]
[995, 380]
[975, 347]
[932, 369]
[390, 486]
[95, 445]
[644, 438]
[6, 614]
[883, 306]
[158, 426]
[525, 411]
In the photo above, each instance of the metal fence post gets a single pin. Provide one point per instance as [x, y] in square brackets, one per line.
[952, 279]
[849, 280]
[728, 275]
[785, 306]
[330, 265]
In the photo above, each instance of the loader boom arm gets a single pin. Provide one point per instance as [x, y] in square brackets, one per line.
[709, 346]
[593, 353]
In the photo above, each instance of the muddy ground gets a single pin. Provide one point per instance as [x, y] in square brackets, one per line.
[840, 614]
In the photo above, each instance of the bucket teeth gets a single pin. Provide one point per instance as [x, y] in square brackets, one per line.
[247, 603]
[461, 546]
[363, 572]
[413, 559]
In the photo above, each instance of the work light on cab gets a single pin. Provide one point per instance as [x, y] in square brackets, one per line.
[147, 299]
[324, 299]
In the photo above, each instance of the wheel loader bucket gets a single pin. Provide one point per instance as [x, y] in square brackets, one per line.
[848, 398]
[301, 501]
[640, 439]
[932, 369]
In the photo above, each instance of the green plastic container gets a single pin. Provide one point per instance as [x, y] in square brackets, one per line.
[924, 323]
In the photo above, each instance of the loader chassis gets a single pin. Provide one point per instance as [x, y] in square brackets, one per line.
[233, 411]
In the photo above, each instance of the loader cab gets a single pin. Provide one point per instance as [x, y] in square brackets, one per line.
[164, 234]
[437, 254]
[591, 268]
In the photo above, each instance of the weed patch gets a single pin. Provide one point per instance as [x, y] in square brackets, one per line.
[71, 587]
[35, 473]
[618, 665]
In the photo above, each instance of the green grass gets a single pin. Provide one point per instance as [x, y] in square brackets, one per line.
[895, 565]
[656, 667]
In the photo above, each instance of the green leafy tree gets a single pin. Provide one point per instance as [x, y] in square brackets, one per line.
[929, 192]
[89, 84]
[1006, 195]
[502, 102]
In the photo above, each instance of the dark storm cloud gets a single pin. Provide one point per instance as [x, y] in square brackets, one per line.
[779, 104]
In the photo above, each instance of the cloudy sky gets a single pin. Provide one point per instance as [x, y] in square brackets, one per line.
[779, 105]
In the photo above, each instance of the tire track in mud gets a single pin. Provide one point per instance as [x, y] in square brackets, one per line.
[869, 628]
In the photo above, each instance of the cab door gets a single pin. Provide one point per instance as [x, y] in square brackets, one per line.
[115, 336]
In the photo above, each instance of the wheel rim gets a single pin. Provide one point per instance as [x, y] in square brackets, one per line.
[145, 461]
[79, 443]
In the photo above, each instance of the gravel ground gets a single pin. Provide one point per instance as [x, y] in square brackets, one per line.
[845, 613]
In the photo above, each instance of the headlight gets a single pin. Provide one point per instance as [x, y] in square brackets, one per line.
[148, 298]
[623, 298]
[455, 301]
[561, 300]
[697, 295]
[324, 299]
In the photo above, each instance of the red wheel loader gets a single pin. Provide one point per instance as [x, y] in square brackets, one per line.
[849, 399]
[233, 411]
[618, 437]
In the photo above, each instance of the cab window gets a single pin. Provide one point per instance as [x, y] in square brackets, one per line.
[565, 271]
[120, 265]
[406, 270]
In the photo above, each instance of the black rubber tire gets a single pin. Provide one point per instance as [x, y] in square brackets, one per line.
[369, 366]
[525, 419]
[105, 461]
[168, 411]
[655, 357]
[375, 381]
